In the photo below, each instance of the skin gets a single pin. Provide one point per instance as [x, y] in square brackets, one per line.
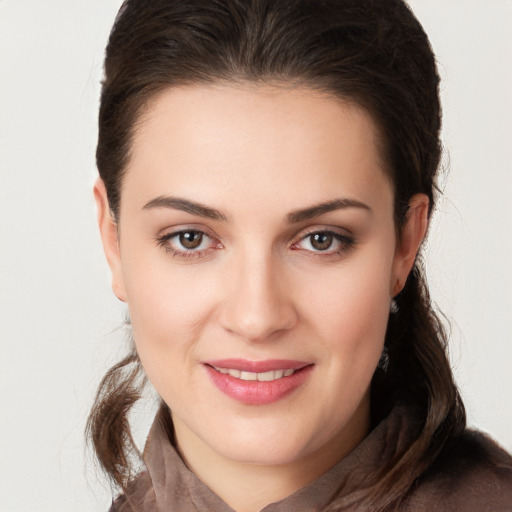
[257, 288]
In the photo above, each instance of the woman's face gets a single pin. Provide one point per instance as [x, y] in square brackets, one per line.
[257, 254]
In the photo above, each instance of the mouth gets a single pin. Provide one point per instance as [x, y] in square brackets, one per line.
[258, 382]
[260, 377]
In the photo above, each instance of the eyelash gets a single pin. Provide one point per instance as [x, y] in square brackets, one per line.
[346, 242]
[184, 254]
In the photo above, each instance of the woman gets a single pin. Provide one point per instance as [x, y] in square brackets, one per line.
[267, 175]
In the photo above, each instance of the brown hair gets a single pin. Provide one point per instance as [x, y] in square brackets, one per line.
[373, 53]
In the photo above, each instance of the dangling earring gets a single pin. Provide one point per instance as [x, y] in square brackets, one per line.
[384, 359]
[393, 307]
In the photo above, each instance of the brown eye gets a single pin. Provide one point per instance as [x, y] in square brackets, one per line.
[190, 239]
[321, 241]
[325, 243]
[189, 244]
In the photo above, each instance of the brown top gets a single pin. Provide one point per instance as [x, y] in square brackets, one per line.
[472, 475]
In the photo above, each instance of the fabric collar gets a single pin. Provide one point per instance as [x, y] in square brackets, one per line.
[175, 487]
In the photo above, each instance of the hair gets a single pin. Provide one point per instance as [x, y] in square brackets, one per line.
[372, 53]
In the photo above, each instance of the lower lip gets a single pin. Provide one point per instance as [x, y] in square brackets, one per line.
[253, 392]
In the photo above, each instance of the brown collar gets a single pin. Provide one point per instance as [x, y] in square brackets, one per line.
[175, 487]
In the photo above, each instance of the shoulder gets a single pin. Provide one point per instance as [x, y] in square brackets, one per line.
[140, 496]
[472, 473]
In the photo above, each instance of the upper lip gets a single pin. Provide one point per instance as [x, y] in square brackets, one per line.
[267, 365]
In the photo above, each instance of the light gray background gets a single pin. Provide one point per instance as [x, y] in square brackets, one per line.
[58, 317]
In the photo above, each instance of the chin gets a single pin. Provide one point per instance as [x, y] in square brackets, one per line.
[266, 441]
[264, 452]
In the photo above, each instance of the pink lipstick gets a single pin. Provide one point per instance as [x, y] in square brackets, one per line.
[257, 382]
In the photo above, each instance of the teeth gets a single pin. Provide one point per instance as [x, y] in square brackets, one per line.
[268, 376]
[261, 377]
[248, 376]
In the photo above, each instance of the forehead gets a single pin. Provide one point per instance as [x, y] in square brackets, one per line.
[215, 142]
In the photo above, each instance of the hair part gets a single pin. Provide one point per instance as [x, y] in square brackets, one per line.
[372, 53]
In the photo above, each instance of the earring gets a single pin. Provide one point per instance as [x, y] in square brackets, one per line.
[384, 359]
[393, 306]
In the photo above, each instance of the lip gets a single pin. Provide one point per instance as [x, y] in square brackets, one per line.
[258, 392]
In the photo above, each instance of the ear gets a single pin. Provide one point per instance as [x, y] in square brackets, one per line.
[109, 238]
[413, 233]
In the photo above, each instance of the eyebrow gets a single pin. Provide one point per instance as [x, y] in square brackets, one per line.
[178, 203]
[201, 210]
[320, 209]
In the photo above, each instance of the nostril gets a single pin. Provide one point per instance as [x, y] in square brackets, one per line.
[262, 326]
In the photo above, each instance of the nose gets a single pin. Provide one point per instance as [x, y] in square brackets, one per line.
[258, 303]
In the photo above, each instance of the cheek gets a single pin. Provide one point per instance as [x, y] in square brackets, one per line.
[168, 307]
[167, 302]
[161, 292]
[351, 309]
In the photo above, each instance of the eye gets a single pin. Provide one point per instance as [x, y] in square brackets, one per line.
[188, 243]
[321, 241]
[328, 242]
[190, 239]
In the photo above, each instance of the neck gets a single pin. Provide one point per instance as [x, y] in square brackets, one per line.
[249, 487]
